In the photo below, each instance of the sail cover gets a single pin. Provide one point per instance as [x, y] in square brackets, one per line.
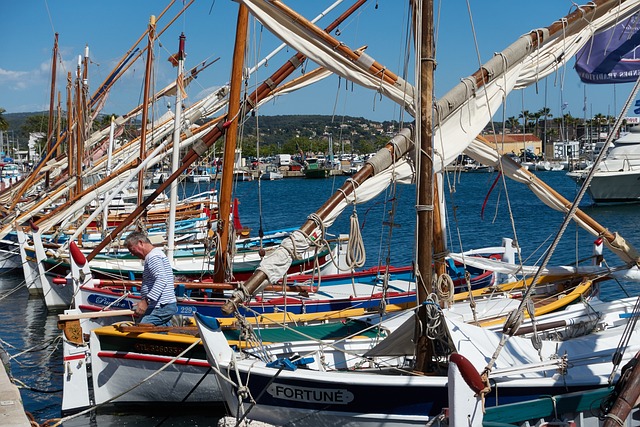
[611, 55]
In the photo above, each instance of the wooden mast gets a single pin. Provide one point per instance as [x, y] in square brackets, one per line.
[228, 159]
[57, 148]
[70, 133]
[54, 62]
[79, 131]
[424, 214]
[118, 71]
[201, 146]
[145, 105]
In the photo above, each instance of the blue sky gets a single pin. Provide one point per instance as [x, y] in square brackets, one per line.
[111, 28]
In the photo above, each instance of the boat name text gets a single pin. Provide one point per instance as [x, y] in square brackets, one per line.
[304, 394]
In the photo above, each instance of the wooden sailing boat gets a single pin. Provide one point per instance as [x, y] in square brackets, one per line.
[389, 385]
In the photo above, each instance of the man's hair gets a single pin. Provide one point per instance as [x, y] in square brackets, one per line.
[134, 237]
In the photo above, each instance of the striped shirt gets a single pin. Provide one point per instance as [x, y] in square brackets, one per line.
[157, 279]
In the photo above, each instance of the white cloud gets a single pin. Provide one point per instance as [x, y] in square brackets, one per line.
[19, 78]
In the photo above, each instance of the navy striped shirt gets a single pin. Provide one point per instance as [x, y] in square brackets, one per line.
[157, 279]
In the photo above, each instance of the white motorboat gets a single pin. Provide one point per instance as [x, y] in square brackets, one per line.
[271, 173]
[616, 179]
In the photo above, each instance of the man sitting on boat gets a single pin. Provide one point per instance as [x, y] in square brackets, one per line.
[158, 303]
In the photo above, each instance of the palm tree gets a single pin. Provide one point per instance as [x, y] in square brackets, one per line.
[544, 114]
[536, 121]
[599, 119]
[570, 124]
[525, 116]
[512, 123]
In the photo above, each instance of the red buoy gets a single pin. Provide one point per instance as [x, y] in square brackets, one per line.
[77, 254]
[468, 372]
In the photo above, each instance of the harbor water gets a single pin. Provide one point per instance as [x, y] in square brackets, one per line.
[476, 216]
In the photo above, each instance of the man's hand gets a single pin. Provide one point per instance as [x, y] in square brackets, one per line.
[141, 307]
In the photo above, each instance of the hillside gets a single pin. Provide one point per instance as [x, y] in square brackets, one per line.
[275, 133]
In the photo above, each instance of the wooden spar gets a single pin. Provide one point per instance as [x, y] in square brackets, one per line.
[278, 77]
[86, 191]
[200, 147]
[570, 24]
[367, 171]
[628, 396]
[56, 149]
[145, 105]
[33, 176]
[124, 168]
[109, 81]
[133, 59]
[54, 63]
[425, 202]
[375, 68]
[592, 223]
[228, 159]
[102, 87]
[112, 77]
[84, 120]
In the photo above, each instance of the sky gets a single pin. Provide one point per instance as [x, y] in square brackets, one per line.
[111, 28]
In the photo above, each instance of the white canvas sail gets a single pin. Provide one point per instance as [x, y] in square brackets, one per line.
[464, 111]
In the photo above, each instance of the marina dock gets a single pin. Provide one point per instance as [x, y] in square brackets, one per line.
[11, 410]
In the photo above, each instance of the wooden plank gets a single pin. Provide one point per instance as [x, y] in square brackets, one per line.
[96, 315]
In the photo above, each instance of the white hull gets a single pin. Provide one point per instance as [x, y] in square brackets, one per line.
[617, 178]
[184, 381]
[199, 178]
[271, 176]
[9, 260]
[296, 396]
[612, 187]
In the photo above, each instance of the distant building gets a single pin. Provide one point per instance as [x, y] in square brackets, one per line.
[515, 142]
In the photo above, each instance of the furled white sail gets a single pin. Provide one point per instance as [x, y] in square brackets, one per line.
[460, 115]
[487, 155]
[277, 263]
[502, 267]
[327, 56]
[464, 111]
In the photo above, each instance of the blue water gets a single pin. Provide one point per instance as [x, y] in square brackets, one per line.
[286, 203]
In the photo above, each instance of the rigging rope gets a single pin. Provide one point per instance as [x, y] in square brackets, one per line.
[508, 332]
[356, 254]
[162, 368]
[624, 340]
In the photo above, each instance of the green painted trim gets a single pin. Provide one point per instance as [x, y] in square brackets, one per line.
[571, 403]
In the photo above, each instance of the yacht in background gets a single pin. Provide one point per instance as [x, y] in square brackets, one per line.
[617, 176]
